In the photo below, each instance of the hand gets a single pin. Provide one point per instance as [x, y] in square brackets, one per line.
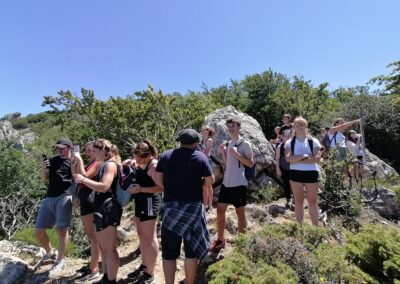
[134, 189]
[78, 178]
[233, 151]
[222, 147]
[46, 163]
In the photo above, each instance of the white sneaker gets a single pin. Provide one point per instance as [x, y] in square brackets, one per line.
[49, 257]
[57, 267]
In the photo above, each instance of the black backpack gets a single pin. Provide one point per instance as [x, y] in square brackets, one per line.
[249, 173]
[326, 142]
[310, 143]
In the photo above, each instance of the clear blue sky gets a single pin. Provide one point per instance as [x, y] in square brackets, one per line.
[118, 47]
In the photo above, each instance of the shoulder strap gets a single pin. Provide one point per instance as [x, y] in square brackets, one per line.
[239, 142]
[311, 144]
[282, 149]
[333, 137]
[292, 144]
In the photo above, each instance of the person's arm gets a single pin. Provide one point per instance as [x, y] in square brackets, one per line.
[208, 190]
[222, 150]
[148, 189]
[315, 158]
[343, 126]
[208, 147]
[277, 158]
[100, 186]
[292, 159]
[44, 173]
[247, 161]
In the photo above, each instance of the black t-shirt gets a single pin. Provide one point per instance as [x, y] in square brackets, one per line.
[183, 170]
[285, 127]
[60, 176]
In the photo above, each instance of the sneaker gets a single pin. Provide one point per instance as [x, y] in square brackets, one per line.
[137, 273]
[145, 278]
[49, 257]
[87, 275]
[57, 267]
[217, 245]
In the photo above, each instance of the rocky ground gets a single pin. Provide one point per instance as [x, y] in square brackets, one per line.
[16, 270]
[257, 215]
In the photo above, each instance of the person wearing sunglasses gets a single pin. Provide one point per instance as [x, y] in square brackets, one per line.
[147, 197]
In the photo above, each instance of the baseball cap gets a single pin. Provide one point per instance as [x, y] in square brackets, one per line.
[188, 136]
[63, 143]
[287, 115]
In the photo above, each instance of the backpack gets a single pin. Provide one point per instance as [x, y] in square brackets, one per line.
[326, 142]
[126, 176]
[310, 143]
[249, 173]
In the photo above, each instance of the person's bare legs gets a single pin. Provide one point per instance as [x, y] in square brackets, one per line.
[148, 243]
[242, 221]
[298, 194]
[312, 198]
[62, 242]
[169, 267]
[43, 239]
[221, 209]
[89, 228]
[190, 270]
[107, 239]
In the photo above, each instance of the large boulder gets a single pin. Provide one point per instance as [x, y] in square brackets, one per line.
[383, 201]
[264, 153]
[377, 167]
[21, 138]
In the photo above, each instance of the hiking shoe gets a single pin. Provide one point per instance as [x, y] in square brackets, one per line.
[217, 245]
[57, 267]
[49, 257]
[87, 275]
[145, 278]
[137, 273]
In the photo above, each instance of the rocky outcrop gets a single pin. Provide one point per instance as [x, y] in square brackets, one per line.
[383, 201]
[21, 138]
[264, 154]
[376, 166]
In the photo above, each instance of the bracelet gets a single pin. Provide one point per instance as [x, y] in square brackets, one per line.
[82, 180]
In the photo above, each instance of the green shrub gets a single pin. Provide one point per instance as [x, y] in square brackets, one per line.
[237, 268]
[330, 261]
[265, 194]
[376, 250]
[27, 235]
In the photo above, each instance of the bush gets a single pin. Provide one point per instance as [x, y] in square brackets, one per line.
[27, 235]
[331, 264]
[376, 250]
[237, 268]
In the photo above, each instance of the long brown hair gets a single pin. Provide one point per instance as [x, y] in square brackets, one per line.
[111, 150]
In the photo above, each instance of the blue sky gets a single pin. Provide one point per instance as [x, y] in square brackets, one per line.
[118, 47]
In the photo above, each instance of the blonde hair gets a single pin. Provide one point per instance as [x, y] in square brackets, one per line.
[111, 150]
[302, 121]
[211, 130]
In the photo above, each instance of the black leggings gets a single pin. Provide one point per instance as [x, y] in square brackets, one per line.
[286, 183]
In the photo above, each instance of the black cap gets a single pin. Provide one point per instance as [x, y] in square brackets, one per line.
[188, 136]
[63, 143]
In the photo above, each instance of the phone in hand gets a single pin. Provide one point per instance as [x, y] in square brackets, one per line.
[46, 161]
[76, 149]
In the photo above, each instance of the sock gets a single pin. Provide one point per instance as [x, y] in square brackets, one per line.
[112, 281]
[105, 276]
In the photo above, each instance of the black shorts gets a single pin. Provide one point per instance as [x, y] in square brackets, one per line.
[108, 214]
[171, 245]
[237, 196]
[304, 176]
[147, 206]
[86, 199]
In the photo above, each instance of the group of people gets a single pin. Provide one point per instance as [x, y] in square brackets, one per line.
[298, 156]
[183, 175]
[180, 181]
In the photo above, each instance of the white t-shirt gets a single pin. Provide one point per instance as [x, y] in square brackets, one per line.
[234, 172]
[354, 148]
[301, 148]
[339, 139]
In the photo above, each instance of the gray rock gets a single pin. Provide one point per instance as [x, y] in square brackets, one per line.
[375, 166]
[12, 269]
[22, 137]
[383, 201]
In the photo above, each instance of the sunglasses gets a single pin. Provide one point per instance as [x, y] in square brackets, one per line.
[140, 154]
